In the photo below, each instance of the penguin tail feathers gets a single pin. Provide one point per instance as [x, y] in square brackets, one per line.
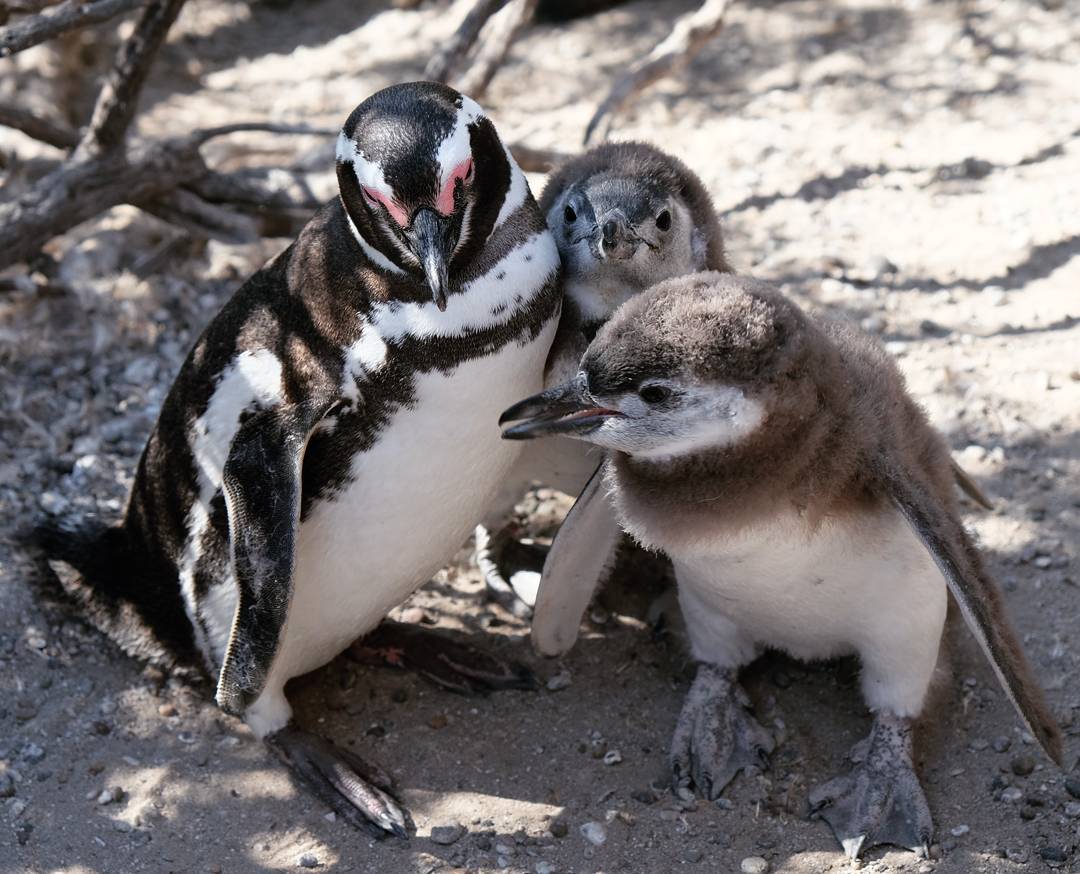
[87, 566]
[979, 600]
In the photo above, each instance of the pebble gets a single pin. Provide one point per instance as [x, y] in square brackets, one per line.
[110, 795]
[17, 807]
[1072, 786]
[186, 737]
[561, 680]
[167, 710]
[7, 785]
[979, 744]
[1011, 795]
[753, 865]
[612, 757]
[1023, 765]
[1001, 744]
[1053, 854]
[693, 856]
[959, 830]
[558, 828]
[505, 850]
[1072, 809]
[33, 753]
[594, 833]
[447, 834]
[308, 860]
[544, 868]
[1020, 855]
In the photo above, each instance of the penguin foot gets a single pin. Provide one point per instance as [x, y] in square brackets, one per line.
[355, 789]
[717, 735]
[511, 569]
[880, 801]
[451, 664]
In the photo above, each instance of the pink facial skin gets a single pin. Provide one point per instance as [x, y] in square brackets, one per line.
[397, 212]
[463, 171]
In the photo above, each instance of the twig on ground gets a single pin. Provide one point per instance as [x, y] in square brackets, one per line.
[453, 52]
[495, 46]
[689, 36]
[69, 15]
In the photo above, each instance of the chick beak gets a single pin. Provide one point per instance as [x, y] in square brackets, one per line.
[565, 409]
[431, 238]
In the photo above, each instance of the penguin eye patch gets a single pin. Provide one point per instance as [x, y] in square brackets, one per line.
[377, 198]
[663, 221]
[569, 215]
[463, 172]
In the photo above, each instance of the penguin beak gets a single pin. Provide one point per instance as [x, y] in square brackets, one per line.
[618, 240]
[566, 409]
[431, 237]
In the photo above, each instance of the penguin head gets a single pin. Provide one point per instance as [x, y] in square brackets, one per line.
[422, 175]
[698, 363]
[626, 216]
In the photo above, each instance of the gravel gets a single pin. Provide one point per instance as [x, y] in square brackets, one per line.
[307, 860]
[753, 865]
[1023, 765]
[447, 834]
[595, 833]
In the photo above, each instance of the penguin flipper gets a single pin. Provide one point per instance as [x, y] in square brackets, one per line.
[978, 597]
[262, 497]
[580, 555]
[969, 487]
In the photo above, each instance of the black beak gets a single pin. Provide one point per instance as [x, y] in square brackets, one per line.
[565, 409]
[618, 240]
[431, 237]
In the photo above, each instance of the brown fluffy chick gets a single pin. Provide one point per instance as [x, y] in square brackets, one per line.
[807, 505]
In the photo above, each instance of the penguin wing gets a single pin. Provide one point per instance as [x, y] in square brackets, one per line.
[580, 555]
[978, 597]
[969, 487]
[262, 498]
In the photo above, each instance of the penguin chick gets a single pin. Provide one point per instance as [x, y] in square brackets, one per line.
[807, 505]
[624, 216]
[330, 440]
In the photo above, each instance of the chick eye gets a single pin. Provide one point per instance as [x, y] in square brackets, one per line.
[663, 221]
[654, 394]
[569, 214]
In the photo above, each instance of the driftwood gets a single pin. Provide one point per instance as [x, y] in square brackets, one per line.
[690, 35]
[70, 15]
[453, 53]
[500, 34]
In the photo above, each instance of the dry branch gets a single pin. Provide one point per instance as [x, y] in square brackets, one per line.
[689, 36]
[119, 95]
[69, 15]
[444, 62]
[41, 129]
[504, 29]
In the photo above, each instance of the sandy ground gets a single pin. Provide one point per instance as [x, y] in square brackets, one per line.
[914, 165]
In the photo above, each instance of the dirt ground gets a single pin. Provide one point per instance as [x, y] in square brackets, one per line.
[915, 165]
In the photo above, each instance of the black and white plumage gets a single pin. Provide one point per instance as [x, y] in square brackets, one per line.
[807, 505]
[331, 439]
[625, 216]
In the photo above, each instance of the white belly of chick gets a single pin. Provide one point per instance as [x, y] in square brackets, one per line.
[865, 586]
[414, 498]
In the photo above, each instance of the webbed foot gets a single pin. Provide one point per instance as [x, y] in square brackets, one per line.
[717, 736]
[511, 569]
[356, 790]
[451, 664]
[880, 801]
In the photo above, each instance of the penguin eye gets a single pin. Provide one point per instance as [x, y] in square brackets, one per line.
[663, 221]
[654, 394]
[569, 214]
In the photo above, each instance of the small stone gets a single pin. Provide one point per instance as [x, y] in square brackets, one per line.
[594, 833]
[559, 828]
[1020, 855]
[110, 795]
[645, 796]
[959, 830]
[447, 834]
[308, 860]
[1027, 812]
[167, 710]
[781, 680]
[25, 711]
[1011, 795]
[753, 865]
[7, 785]
[505, 850]
[1023, 765]
[544, 868]
[17, 807]
[1053, 854]
[1001, 744]
[693, 856]
[32, 753]
[561, 680]
[1072, 809]
[1072, 786]
[100, 726]
[979, 744]
[878, 266]
[612, 757]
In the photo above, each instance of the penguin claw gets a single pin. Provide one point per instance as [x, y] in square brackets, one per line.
[716, 736]
[880, 801]
[355, 789]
